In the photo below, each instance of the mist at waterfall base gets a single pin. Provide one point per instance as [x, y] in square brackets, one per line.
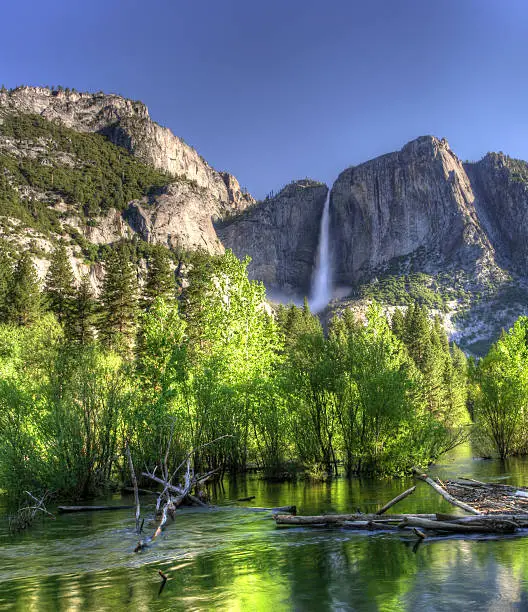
[322, 279]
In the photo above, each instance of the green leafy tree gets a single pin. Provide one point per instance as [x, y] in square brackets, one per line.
[6, 273]
[501, 406]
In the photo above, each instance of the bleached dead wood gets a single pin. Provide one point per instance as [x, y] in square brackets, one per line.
[396, 500]
[135, 485]
[452, 500]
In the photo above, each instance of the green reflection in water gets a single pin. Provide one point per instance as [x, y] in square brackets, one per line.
[234, 559]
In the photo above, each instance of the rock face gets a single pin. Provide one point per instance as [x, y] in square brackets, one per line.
[419, 198]
[126, 123]
[281, 236]
[500, 185]
[179, 218]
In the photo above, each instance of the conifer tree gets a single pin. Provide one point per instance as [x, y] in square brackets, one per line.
[6, 272]
[82, 319]
[160, 278]
[118, 301]
[59, 288]
[398, 324]
[23, 294]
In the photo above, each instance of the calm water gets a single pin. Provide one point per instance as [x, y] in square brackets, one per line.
[236, 559]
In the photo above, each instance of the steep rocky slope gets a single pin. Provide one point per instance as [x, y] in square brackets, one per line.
[281, 236]
[417, 199]
[500, 185]
[177, 215]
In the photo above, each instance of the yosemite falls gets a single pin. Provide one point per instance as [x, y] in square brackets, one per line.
[321, 291]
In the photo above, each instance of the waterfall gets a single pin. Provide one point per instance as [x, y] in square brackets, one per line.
[321, 291]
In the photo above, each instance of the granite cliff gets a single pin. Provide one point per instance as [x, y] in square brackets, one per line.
[416, 223]
[281, 236]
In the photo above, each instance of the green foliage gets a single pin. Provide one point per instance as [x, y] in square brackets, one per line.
[160, 280]
[23, 299]
[81, 168]
[117, 324]
[501, 394]
[215, 363]
[83, 313]
[59, 285]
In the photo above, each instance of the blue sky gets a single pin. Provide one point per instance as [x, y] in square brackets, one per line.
[273, 91]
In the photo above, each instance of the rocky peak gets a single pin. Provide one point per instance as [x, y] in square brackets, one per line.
[89, 112]
[126, 123]
[390, 207]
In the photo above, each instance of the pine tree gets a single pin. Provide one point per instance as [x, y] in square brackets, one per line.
[59, 288]
[398, 324]
[160, 278]
[23, 295]
[6, 272]
[82, 319]
[118, 301]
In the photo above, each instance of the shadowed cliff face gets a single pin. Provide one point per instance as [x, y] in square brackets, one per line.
[417, 198]
[500, 185]
[281, 236]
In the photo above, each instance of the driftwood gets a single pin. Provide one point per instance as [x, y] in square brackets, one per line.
[454, 527]
[69, 509]
[419, 524]
[135, 485]
[340, 519]
[27, 514]
[246, 499]
[452, 500]
[173, 496]
[396, 500]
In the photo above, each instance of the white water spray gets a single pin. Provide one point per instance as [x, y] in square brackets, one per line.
[321, 292]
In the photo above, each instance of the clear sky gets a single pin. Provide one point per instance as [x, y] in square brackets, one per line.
[278, 90]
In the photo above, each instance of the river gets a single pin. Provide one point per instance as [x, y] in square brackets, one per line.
[236, 559]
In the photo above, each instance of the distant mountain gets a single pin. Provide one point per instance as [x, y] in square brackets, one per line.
[414, 224]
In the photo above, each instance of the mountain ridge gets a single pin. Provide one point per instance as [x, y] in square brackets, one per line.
[461, 227]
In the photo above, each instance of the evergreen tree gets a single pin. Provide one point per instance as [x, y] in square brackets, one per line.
[59, 286]
[82, 319]
[160, 278]
[398, 324]
[23, 295]
[6, 272]
[117, 323]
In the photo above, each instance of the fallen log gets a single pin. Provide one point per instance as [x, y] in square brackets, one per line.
[246, 499]
[452, 500]
[396, 500]
[339, 519]
[69, 509]
[498, 527]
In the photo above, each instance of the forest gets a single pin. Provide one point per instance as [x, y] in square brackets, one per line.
[186, 356]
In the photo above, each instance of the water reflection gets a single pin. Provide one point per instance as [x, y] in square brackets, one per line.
[235, 559]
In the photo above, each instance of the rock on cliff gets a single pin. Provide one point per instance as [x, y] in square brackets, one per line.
[418, 199]
[280, 235]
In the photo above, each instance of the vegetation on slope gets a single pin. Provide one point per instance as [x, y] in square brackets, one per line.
[81, 168]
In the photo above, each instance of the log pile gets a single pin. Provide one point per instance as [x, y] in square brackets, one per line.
[494, 509]
[490, 498]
